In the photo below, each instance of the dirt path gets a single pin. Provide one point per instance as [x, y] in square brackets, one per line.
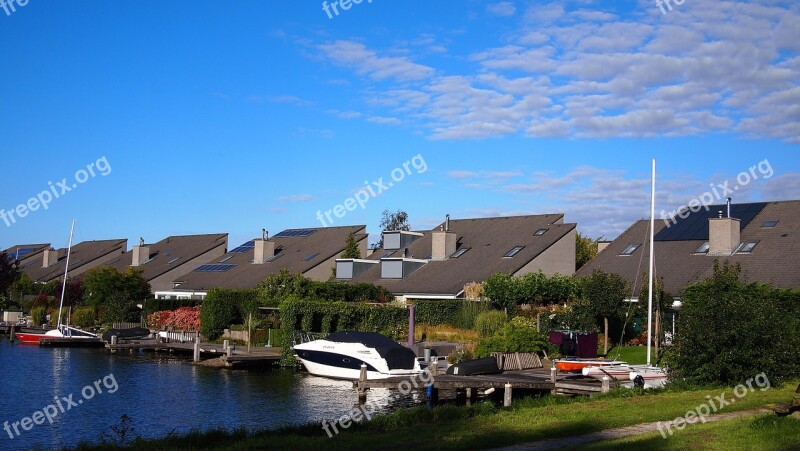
[611, 434]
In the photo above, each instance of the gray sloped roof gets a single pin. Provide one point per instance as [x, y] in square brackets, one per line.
[774, 260]
[489, 239]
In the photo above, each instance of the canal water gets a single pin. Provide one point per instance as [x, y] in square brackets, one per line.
[160, 394]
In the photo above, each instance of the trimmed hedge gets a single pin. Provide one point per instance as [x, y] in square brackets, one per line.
[457, 313]
[223, 307]
[309, 315]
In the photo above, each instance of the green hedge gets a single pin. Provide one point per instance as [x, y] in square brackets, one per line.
[223, 307]
[457, 313]
[308, 315]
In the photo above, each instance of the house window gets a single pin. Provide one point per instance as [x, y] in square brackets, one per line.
[460, 252]
[703, 249]
[226, 259]
[770, 224]
[173, 260]
[540, 232]
[388, 254]
[630, 249]
[747, 247]
[311, 256]
[514, 251]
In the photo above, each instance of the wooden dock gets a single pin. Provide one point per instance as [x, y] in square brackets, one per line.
[64, 342]
[534, 379]
[238, 356]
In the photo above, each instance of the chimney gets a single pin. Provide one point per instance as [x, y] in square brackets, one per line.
[443, 242]
[264, 249]
[50, 258]
[723, 236]
[141, 254]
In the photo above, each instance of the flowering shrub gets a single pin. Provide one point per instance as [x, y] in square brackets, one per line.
[184, 318]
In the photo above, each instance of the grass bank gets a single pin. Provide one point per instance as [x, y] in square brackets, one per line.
[481, 425]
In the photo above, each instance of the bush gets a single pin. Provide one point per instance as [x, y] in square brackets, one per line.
[488, 323]
[221, 308]
[277, 287]
[83, 317]
[159, 305]
[39, 316]
[184, 318]
[730, 331]
[519, 335]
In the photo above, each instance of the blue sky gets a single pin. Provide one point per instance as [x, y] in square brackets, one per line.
[233, 117]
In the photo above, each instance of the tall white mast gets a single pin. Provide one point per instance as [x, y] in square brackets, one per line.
[650, 271]
[66, 270]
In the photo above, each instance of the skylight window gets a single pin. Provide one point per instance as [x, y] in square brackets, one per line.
[747, 247]
[311, 257]
[630, 249]
[275, 258]
[540, 232]
[388, 254]
[173, 260]
[703, 249]
[770, 224]
[226, 259]
[460, 252]
[514, 251]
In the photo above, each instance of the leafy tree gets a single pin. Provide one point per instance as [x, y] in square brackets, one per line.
[9, 272]
[278, 286]
[585, 250]
[393, 221]
[503, 291]
[605, 293]
[105, 288]
[351, 249]
[729, 331]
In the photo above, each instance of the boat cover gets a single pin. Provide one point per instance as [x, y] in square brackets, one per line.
[397, 356]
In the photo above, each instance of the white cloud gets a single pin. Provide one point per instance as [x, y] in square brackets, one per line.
[367, 62]
[502, 9]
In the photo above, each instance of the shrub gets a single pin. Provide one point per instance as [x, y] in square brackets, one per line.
[83, 317]
[488, 323]
[184, 318]
[519, 335]
[39, 316]
[730, 331]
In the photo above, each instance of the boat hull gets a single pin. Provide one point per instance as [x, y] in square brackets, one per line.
[29, 338]
[576, 366]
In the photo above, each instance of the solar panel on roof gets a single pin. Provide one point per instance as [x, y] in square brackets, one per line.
[244, 248]
[295, 233]
[695, 225]
[214, 268]
[21, 252]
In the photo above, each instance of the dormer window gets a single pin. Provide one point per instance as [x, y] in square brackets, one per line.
[630, 249]
[747, 247]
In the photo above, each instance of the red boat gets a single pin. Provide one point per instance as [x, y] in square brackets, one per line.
[62, 332]
[577, 365]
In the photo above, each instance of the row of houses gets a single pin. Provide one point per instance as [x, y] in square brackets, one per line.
[438, 263]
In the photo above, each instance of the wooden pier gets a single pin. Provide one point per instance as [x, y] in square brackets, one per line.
[230, 357]
[534, 379]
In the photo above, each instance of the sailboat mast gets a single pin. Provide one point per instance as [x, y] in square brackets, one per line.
[66, 271]
[650, 271]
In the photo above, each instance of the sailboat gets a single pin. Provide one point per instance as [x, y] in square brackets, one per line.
[649, 375]
[61, 330]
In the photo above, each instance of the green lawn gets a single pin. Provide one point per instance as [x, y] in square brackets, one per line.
[483, 426]
[762, 433]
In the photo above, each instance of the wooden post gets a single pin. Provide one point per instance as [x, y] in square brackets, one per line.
[197, 349]
[539, 322]
[11, 332]
[113, 343]
[434, 366]
[362, 384]
[225, 345]
[469, 393]
[553, 373]
[606, 384]
[507, 396]
[249, 332]
[229, 352]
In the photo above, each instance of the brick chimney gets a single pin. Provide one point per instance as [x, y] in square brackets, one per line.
[443, 242]
[50, 258]
[723, 236]
[141, 254]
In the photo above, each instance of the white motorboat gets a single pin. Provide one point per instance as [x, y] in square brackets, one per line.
[341, 354]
